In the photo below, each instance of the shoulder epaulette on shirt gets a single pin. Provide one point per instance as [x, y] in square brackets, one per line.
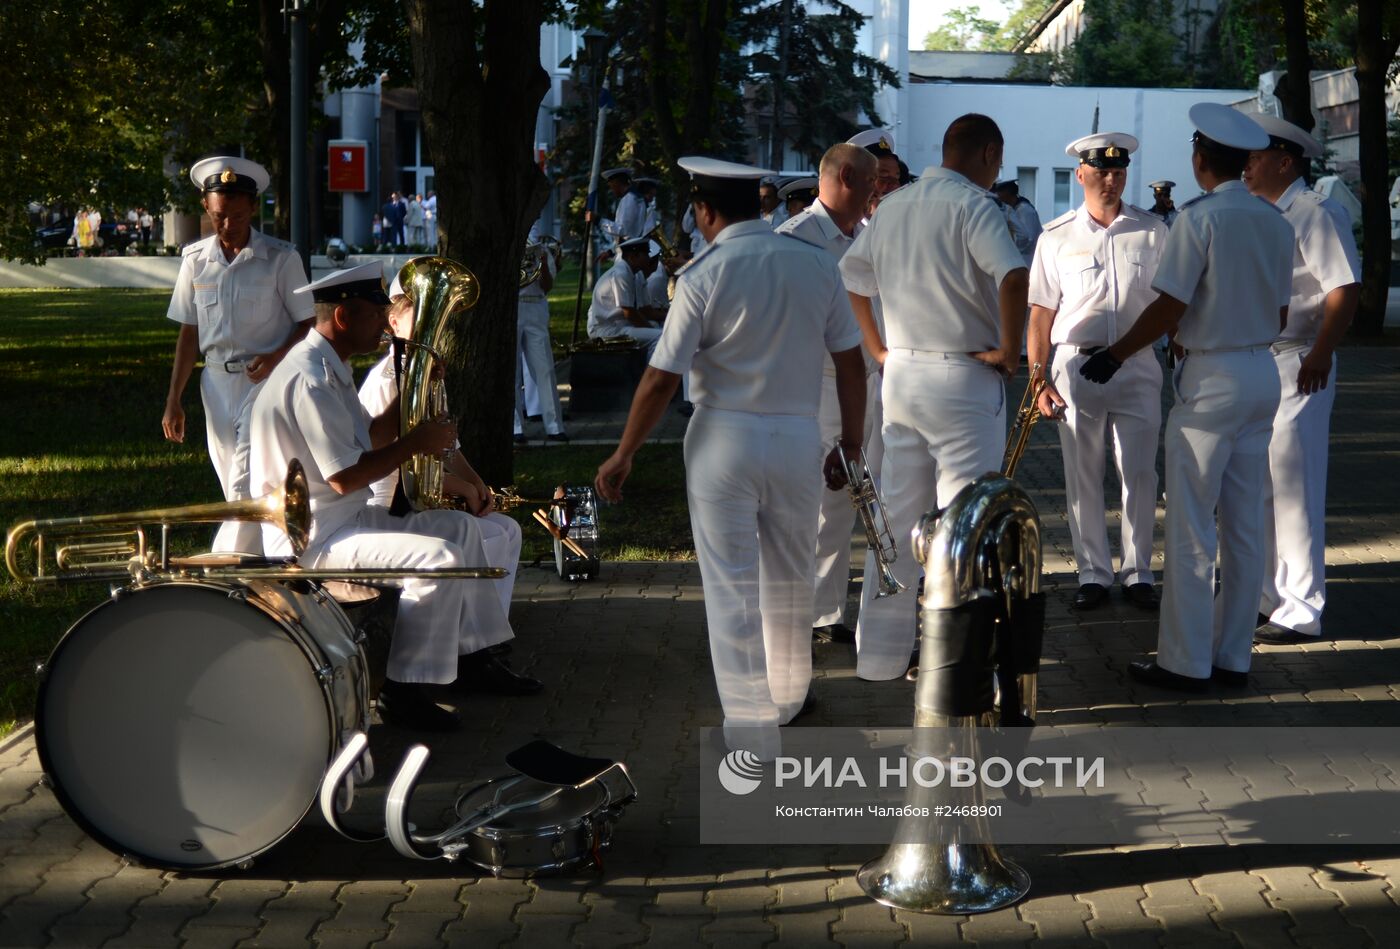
[196, 246]
[1197, 200]
[1060, 221]
[783, 231]
[276, 243]
[1316, 197]
[695, 260]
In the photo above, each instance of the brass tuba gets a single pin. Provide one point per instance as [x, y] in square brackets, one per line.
[438, 288]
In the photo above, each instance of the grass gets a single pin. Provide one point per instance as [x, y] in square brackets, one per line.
[83, 375]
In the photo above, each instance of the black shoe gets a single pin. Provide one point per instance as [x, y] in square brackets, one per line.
[533, 418]
[1262, 620]
[835, 633]
[1235, 680]
[1143, 596]
[809, 705]
[1272, 634]
[557, 437]
[686, 409]
[1147, 671]
[500, 649]
[521, 439]
[407, 705]
[485, 673]
[1090, 596]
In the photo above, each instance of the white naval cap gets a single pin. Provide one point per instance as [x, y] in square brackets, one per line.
[1163, 185]
[365, 282]
[635, 243]
[1289, 137]
[714, 176]
[395, 289]
[1227, 127]
[803, 188]
[612, 173]
[229, 174]
[653, 249]
[878, 141]
[1103, 149]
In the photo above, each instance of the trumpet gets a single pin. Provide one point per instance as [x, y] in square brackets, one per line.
[1027, 414]
[878, 536]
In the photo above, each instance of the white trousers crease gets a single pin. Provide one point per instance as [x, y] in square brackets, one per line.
[1296, 500]
[836, 519]
[535, 363]
[944, 425]
[228, 409]
[1129, 410]
[442, 619]
[753, 483]
[1217, 445]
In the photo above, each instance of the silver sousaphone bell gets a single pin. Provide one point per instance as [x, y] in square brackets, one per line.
[981, 555]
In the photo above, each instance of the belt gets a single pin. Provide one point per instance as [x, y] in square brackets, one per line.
[1089, 350]
[1253, 347]
[235, 365]
[1292, 344]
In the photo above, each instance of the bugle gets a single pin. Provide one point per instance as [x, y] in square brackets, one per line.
[1027, 414]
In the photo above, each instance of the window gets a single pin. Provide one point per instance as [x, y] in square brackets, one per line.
[406, 138]
[1063, 177]
[1025, 181]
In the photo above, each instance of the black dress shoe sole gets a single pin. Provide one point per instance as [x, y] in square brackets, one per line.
[1272, 635]
[1164, 679]
[1091, 601]
[1229, 677]
[1147, 601]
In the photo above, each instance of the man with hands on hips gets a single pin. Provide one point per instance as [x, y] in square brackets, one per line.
[1223, 285]
[752, 320]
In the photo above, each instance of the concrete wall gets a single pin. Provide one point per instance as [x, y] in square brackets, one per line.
[151, 273]
[1039, 121]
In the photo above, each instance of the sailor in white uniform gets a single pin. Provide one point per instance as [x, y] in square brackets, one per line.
[236, 304]
[631, 214]
[880, 143]
[309, 410]
[1091, 278]
[797, 196]
[752, 321]
[1162, 205]
[953, 288]
[832, 222]
[1223, 285]
[618, 309]
[534, 351]
[1326, 288]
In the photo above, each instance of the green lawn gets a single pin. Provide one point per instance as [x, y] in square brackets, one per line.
[83, 375]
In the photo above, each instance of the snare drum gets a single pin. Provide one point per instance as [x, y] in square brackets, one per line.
[580, 521]
[568, 830]
[187, 725]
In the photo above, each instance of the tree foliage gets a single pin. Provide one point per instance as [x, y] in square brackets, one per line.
[964, 28]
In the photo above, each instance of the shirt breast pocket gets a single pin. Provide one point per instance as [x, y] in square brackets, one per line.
[1138, 277]
[206, 306]
[1079, 275]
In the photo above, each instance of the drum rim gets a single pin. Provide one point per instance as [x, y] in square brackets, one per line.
[71, 810]
[599, 823]
[488, 832]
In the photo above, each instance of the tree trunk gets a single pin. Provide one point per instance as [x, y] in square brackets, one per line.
[779, 80]
[1374, 49]
[1297, 102]
[274, 48]
[479, 105]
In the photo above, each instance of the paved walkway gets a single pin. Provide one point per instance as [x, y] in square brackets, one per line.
[626, 663]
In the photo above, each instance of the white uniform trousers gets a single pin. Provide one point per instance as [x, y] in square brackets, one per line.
[1295, 504]
[228, 408]
[945, 425]
[836, 519]
[753, 484]
[1129, 408]
[532, 391]
[1217, 446]
[437, 620]
[537, 356]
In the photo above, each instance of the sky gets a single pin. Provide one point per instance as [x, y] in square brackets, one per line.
[925, 16]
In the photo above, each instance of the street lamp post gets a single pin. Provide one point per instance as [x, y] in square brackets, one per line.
[596, 47]
[296, 156]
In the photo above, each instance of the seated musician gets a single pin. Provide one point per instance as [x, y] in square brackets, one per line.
[500, 535]
[309, 410]
[618, 309]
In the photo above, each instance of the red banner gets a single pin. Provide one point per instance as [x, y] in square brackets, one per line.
[349, 166]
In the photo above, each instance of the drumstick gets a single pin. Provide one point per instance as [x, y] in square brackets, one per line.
[560, 535]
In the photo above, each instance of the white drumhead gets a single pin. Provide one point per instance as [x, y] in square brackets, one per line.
[183, 727]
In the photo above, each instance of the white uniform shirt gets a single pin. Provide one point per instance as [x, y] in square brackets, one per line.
[656, 285]
[1028, 223]
[614, 290]
[752, 319]
[308, 409]
[697, 240]
[936, 254]
[815, 226]
[1324, 256]
[243, 306]
[1098, 278]
[1229, 258]
[631, 215]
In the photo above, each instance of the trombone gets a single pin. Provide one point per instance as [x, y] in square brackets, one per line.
[114, 546]
[878, 536]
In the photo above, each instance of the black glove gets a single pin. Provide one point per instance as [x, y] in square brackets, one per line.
[1100, 366]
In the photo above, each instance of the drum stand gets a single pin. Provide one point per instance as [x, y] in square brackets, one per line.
[578, 799]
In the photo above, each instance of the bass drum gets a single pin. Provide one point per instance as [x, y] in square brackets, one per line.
[187, 725]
